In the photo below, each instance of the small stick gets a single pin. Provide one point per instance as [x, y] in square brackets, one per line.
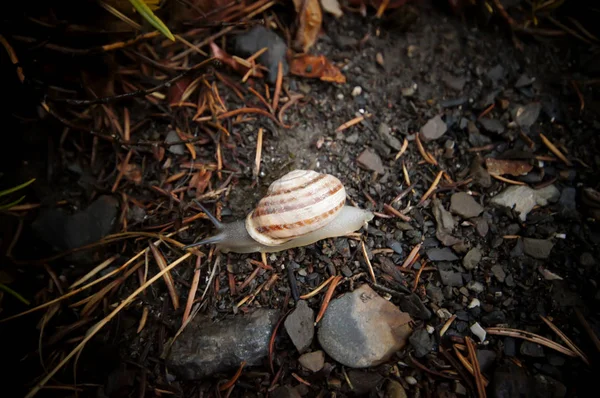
[476, 368]
[431, 188]
[278, 85]
[192, 293]
[466, 362]
[402, 149]
[318, 289]
[486, 111]
[588, 329]
[351, 123]
[143, 319]
[567, 340]
[405, 173]
[447, 325]
[366, 256]
[231, 382]
[555, 150]
[162, 264]
[395, 212]
[257, 159]
[507, 180]
[418, 276]
[411, 256]
[327, 298]
[428, 158]
[535, 338]
[13, 58]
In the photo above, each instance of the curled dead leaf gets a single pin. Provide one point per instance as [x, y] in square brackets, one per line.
[310, 19]
[316, 67]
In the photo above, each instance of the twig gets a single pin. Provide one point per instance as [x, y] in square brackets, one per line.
[435, 183]
[567, 340]
[402, 149]
[366, 256]
[426, 155]
[278, 83]
[535, 338]
[137, 93]
[411, 256]
[231, 382]
[476, 368]
[351, 122]
[507, 180]
[327, 298]
[555, 150]
[318, 289]
[259, 140]
[162, 264]
[588, 328]
[13, 58]
[96, 328]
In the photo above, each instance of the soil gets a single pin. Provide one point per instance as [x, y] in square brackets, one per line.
[452, 65]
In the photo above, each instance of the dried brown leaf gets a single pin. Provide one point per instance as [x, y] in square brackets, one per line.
[316, 67]
[310, 19]
[228, 60]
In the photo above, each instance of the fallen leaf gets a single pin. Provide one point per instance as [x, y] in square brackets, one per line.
[132, 172]
[332, 7]
[512, 167]
[310, 18]
[316, 67]
[227, 59]
[176, 90]
[199, 181]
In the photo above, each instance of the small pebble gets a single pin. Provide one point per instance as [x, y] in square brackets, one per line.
[356, 91]
[478, 331]
[474, 303]
[410, 380]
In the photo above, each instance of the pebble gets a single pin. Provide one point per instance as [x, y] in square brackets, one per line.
[486, 359]
[545, 386]
[285, 392]
[532, 349]
[492, 125]
[527, 115]
[474, 303]
[361, 329]
[445, 224]
[567, 203]
[370, 160]
[433, 129]
[356, 91]
[494, 318]
[498, 272]
[64, 231]
[523, 199]
[441, 254]
[313, 361]
[454, 82]
[464, 205]
[395, 390]
[395, 246]
[524, 81]
[472, 258]
[475, 286]
[299, 325]
[478, 331]
[386, 134]
[451, 278]
[259, 37]
[205, 347]
[411, 380]
[435, 294]
[352, 138]
[363, 382]
[177, 149]
[482, 226]
[537, 248]
[509, 380]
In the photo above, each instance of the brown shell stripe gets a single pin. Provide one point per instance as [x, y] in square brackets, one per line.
[297, 188]
[271, 207]
[279, 227]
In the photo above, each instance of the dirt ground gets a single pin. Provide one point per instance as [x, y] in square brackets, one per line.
[435, 63]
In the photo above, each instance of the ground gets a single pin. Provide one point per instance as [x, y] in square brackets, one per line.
[434, 63]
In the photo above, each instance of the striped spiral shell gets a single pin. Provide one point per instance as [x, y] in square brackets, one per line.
[300, 202]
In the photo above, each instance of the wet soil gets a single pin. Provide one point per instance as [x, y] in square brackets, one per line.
[434, 64]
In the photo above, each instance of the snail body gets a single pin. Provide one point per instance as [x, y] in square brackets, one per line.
[299, 209]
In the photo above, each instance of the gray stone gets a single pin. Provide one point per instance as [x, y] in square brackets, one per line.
[526, 115]
[494, 318]
[386, 134]
[567, 203]
[464, 205]
[532, 349]
[435, 294]
[522, 198]
[285, 392]
[422, 342]
[394, 390]
[257, 38]
[492, 125]
[482, 226]
[537, 248]
[498, 272]
[370, 160]
[454, 82]
[352, 138]
[445, 224]
[299, 325]
[176, 149]
[313, 361]
[451, 278]
[64, 231]
[441, 254]
[547, 387]
[472, 258]
[496, 73]
[433, 129]
[364, 382]
[475, 137]
[205, 347]
[524, 81]
[510, 381]
[486, 359]
[361, 329]
[475, 286]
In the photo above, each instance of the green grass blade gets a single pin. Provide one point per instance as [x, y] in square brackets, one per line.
[147, 13]
[15, 189]
[13, 293]
[9, 205]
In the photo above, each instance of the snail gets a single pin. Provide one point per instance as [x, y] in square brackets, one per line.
[299, 209]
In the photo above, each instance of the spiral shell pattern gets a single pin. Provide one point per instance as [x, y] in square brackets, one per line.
[300, 202]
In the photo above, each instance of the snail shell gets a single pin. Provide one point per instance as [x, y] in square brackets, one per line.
[300, 202]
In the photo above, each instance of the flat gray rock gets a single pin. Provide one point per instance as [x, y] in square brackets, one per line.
[537, 248]
[299, 325]
[370, 160]
[464, 205]
[313, 361]
[206, 347]
[522, 198]
[441, 254]
[472, 258]
[361, 329]
[433, 129]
